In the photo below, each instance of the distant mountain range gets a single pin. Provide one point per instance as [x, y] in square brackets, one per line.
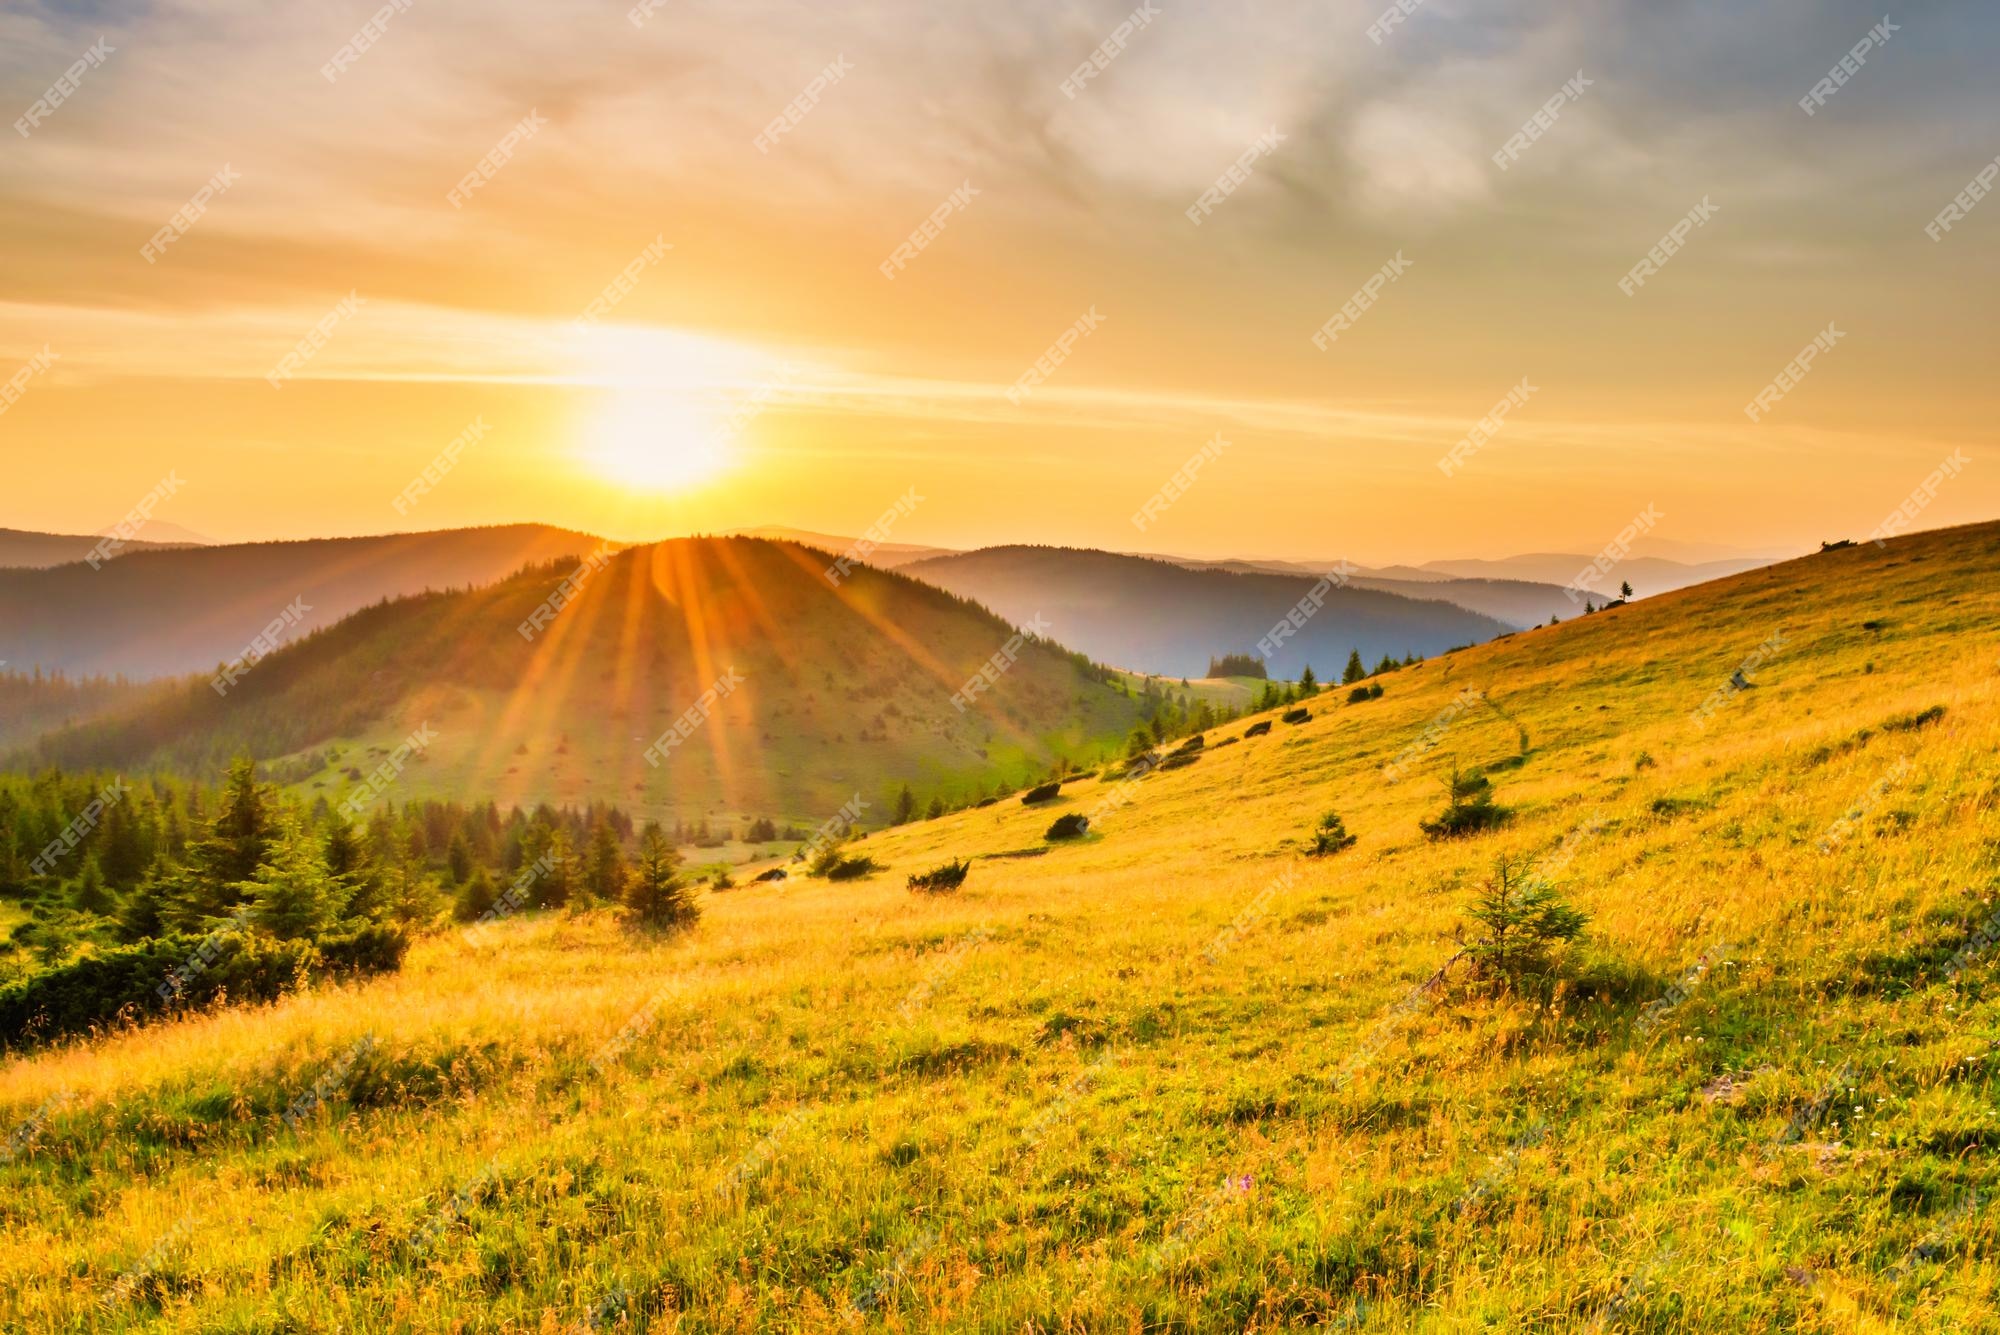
[38, 551]
[883, 556]
[819, 692]
[1159, 617]
[162, 612]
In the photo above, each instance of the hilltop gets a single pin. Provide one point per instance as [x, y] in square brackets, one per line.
[1176, 1073]
[842, 689]
[166, 611]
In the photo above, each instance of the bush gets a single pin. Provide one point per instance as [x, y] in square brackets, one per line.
[850, 869]
[1071, 826]
[1525, 919]
[1194, 743]
[1469, 807]
[722, 880]
[1358, 695]
[373, 948]
[477, 896]
[1258, 729]
[1329, 837]
[1045, 793]
[941, 880]
[774, 874]
[1299, 715]
[126, 982]
[1180, 760]
[1912, 722]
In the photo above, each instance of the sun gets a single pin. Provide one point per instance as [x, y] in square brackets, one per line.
[656, 440]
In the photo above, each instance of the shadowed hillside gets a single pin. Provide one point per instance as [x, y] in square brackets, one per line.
[165, 612]
[843, 690]
[1160, 617]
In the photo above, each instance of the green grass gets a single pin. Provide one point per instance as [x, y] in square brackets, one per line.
[1176, 1075]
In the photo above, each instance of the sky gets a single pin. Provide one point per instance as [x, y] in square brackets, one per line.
[674, 301]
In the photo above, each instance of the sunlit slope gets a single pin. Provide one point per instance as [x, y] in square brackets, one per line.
[818, 691]
[1177, 1076]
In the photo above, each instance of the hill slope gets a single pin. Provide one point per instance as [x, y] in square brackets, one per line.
[165, 612]
[1160, 617]
[1177, 1075]
[842, 690]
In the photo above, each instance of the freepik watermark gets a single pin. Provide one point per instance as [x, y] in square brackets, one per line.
[642, 13]
[832, 830]
[17, 384]
[511, 900]
[918, 241]
[1739, 681]
[63, 89]
[1178, 484]
[1667, 247]
[620, 287]
[203, 957]
[1304, 610]
[1962, 204]
[1055, 355]
[80, 825]
[1614, 551]
[496, 157]
[799, 107]
[1392, 18]
[189, 214]
[872, 537]
[1541, 122]
[1919, 500]
[1485, 429]
[263, 646]
[329, 1083]
[22, 1138]
[1849, 66]
[385, 774]
[1239, 171]
[1364, 297]
[997, 666]
[551, 607]
[1795, 370]
[693, 717]
[364, 37]
[446, 460]
[135, 519]
[1692, 977]
[1249, 916]
[1109, 49]
[308, 347]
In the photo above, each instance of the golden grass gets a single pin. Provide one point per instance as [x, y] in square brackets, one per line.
[1037, 1105]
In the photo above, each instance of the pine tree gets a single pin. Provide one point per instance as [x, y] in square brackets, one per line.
[606, 876]
[294, 897]
[91, 894]
[906, 806]
[655, 893]
[458, 858]
[1355, 672]
[1308, 684]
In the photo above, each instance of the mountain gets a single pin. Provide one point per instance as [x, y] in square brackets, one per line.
[1515, 603]
[1178, 1067]
[883, 556]
[161, 532]
[1647, 574]
[842, 689]
[22, 549]
[164, 612]
[1160, 617]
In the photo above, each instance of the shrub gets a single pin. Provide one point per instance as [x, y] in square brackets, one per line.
[1469, 807]
[1194, 743]
[1912, 722]
[126, 982]
[1329, 837]
[851, 869]
[1071, 826]
[1299, 715]
[373, 948]
[941, 880]
[1375, 691]
[476, 897]
[1258, 729]
[1180, 760]
[1046, 792]
[1358, 695]
[1525, 919]
[774, 874]
[722, 880]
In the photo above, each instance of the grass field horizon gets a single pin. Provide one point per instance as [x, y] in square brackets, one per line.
[1176, 1074]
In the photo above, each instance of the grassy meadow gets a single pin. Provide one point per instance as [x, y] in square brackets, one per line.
[1175, 1075]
